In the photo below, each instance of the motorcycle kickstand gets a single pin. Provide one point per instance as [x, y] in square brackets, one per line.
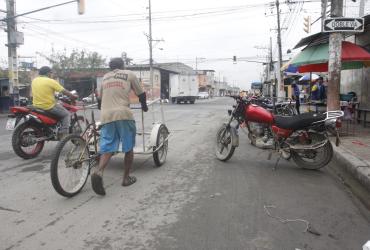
[269, 155]
[276, 163]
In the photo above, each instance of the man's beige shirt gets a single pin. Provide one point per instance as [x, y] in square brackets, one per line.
[115, 91]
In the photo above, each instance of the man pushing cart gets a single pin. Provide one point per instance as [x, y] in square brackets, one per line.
[116, 132]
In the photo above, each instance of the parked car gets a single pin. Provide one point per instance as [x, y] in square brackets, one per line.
[203, 95]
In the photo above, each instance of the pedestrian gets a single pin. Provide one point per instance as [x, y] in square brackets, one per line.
[315, 92]
[322, 89]
[43, 90]
[118, 121]
[296, 94]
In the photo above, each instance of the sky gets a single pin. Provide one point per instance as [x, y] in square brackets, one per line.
[209, 32]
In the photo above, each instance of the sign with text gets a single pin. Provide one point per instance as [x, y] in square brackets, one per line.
[344, 24]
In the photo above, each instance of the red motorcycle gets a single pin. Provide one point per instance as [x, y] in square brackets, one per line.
[302, 137]
[39, 126]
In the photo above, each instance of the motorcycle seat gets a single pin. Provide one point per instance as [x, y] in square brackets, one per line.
[46, 113]
[271, 106]
[298, 121]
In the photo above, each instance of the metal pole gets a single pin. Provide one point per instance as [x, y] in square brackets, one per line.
[324, 3]
[143, 129]
[271, 92]
[362, 8]
[280, 87]
[33, 11]
[12, 49]
[151, 50]
[335, 57]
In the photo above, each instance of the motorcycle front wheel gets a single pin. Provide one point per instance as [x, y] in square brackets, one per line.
[224, 143]
[314, 158]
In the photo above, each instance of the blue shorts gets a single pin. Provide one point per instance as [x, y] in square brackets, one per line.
[113, 133]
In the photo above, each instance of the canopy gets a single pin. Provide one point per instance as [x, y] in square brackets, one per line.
[320, 54]
[323, 67]
[315, 58]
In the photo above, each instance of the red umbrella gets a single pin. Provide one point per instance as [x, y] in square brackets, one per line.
[353, 57]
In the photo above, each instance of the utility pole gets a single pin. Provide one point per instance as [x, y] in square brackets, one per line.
[15, 39]
[324, 4]
[280, 86]
[271, 68]
[150, 41]
[335, 59]
[362, 8]
[150, 38]
[12, 50]
[198, 59]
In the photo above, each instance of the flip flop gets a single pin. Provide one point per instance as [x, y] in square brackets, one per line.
[97, 184]
[130, 180]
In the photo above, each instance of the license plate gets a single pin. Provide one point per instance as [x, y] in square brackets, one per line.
[10, 123]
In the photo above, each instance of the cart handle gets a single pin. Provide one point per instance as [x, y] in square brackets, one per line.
[148, 104]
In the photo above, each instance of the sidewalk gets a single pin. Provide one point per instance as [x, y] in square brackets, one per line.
[353, 154]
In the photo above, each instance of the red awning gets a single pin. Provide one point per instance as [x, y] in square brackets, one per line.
[320, 67]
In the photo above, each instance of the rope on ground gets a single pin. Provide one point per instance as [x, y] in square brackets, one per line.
[309, 227]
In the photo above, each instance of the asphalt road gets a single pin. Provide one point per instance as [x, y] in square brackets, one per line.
[192, 202]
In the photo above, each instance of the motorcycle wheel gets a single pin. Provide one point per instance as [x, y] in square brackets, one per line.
[224, 141]
[78, 125]
[307, 159]
[23, 148]
[70, 166]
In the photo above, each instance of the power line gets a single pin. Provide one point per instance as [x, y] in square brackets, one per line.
[51, 32]
[225, 11]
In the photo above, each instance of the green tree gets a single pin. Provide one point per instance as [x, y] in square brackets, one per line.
[76, 60]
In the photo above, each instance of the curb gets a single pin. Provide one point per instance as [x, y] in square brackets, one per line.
[358, 168]
[4, 115]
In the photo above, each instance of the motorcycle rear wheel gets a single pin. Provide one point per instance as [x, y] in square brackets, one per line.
[27, 131]
[311, 163]
[224, 141]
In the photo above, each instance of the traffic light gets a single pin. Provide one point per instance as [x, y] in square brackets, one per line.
[307, 24]
[234, 59]
[81, 6]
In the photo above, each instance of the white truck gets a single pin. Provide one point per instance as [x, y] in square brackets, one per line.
[183, 88]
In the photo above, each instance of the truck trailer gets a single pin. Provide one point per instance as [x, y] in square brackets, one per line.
[183, 88]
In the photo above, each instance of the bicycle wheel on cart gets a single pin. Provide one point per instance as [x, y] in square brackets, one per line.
[70, 166]
[160, 155]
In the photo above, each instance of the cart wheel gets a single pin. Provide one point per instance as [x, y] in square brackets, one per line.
[160, 155]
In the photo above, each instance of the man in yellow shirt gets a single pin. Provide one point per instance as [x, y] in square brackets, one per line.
[43, 90]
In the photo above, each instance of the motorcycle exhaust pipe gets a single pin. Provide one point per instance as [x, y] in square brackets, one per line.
[308, 147]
